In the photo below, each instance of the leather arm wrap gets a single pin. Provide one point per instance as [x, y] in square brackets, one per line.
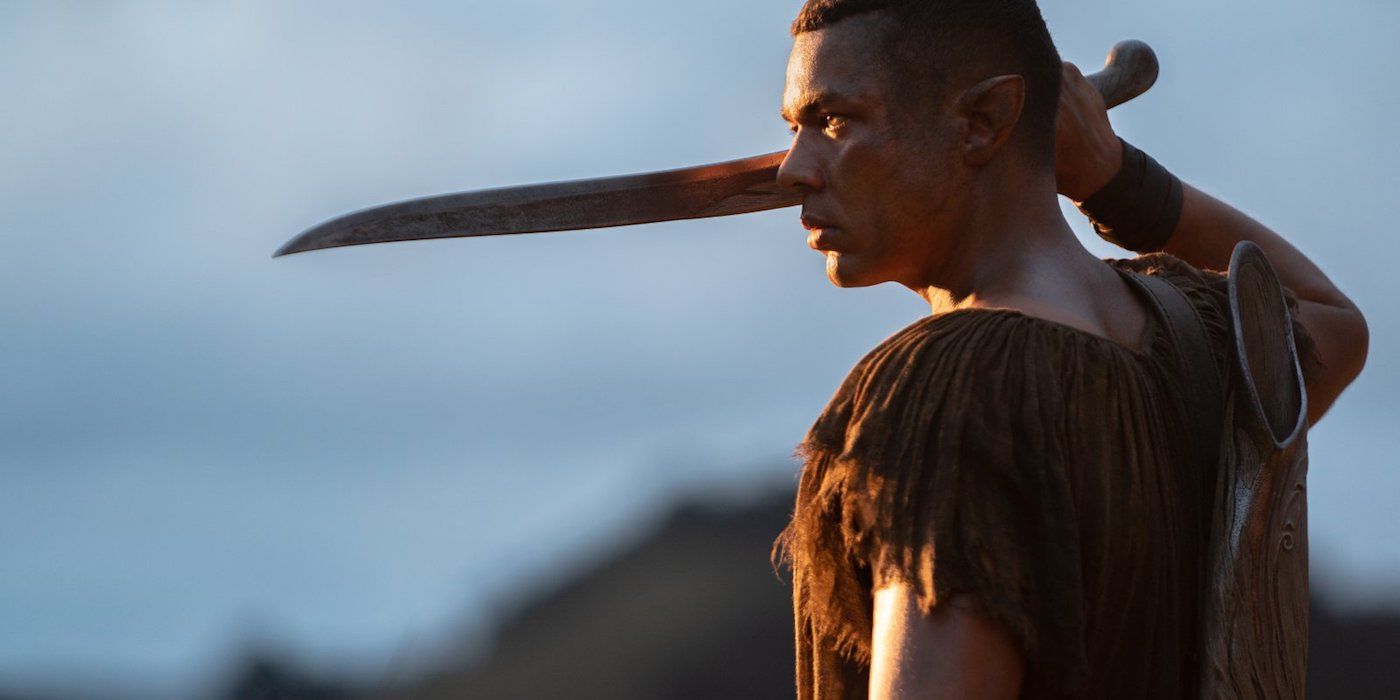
[1140, 207]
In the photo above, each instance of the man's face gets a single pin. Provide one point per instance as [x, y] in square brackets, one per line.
[875, 183]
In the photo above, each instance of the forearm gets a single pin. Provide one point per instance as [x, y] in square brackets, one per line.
[1210, 229]
[1141, 200]
[1205, 237]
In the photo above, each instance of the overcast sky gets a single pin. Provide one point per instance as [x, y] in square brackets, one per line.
[361, 451]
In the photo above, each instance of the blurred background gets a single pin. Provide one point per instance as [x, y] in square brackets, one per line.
[540, 465]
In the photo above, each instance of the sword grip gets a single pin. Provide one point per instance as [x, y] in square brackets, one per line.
[1131, 70]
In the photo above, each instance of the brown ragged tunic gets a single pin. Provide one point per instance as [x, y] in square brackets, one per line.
[1037, 467]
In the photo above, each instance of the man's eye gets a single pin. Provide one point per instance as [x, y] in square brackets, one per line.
[833, 121]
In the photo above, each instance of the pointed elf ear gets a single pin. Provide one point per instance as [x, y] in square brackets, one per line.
[989, 112]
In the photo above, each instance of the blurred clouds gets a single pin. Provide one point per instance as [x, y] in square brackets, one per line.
[348, 447]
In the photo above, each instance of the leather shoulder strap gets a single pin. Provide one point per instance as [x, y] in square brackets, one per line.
[1194, 358]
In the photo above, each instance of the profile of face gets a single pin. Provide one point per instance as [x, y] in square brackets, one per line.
[876, 182]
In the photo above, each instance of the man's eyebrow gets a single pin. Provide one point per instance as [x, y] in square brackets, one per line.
[792, 114]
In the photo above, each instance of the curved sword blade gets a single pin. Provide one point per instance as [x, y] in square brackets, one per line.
[722, 189]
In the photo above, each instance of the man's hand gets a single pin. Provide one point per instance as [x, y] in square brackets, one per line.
[1087, 152]
[1088, 155]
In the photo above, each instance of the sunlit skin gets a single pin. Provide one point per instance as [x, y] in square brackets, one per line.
[951, 203]
[948, 202]
[857, 166]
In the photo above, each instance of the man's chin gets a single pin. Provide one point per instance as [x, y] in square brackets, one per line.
[845, 272]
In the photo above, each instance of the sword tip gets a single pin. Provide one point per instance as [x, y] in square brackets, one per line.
[306, 241]
[287, 249]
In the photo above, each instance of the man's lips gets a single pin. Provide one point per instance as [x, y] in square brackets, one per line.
[812, 222]
[821, 240]
[821, 234]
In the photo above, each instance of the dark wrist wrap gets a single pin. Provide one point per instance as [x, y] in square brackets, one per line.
[1140, 207]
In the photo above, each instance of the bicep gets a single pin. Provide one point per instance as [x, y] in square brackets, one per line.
[954, 651]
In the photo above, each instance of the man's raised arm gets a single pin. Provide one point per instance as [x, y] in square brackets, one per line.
[1089, 156]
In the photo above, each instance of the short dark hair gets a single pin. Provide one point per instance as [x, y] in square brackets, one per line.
[929, 40]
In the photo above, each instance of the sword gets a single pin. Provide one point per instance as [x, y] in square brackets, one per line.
[722, 189]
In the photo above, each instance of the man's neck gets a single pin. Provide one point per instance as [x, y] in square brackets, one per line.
[1014, 249]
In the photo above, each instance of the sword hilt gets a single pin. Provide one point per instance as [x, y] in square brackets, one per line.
[1131, 70]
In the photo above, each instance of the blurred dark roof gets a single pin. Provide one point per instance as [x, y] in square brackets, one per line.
[695, 610]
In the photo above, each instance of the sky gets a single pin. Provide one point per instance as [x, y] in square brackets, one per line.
[360, 453]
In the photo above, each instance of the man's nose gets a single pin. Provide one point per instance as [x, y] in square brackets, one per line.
[800, 170]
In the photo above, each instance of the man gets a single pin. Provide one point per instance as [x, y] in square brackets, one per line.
[994, 504]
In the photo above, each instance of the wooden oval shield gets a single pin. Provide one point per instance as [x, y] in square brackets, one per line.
[1256, 592]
